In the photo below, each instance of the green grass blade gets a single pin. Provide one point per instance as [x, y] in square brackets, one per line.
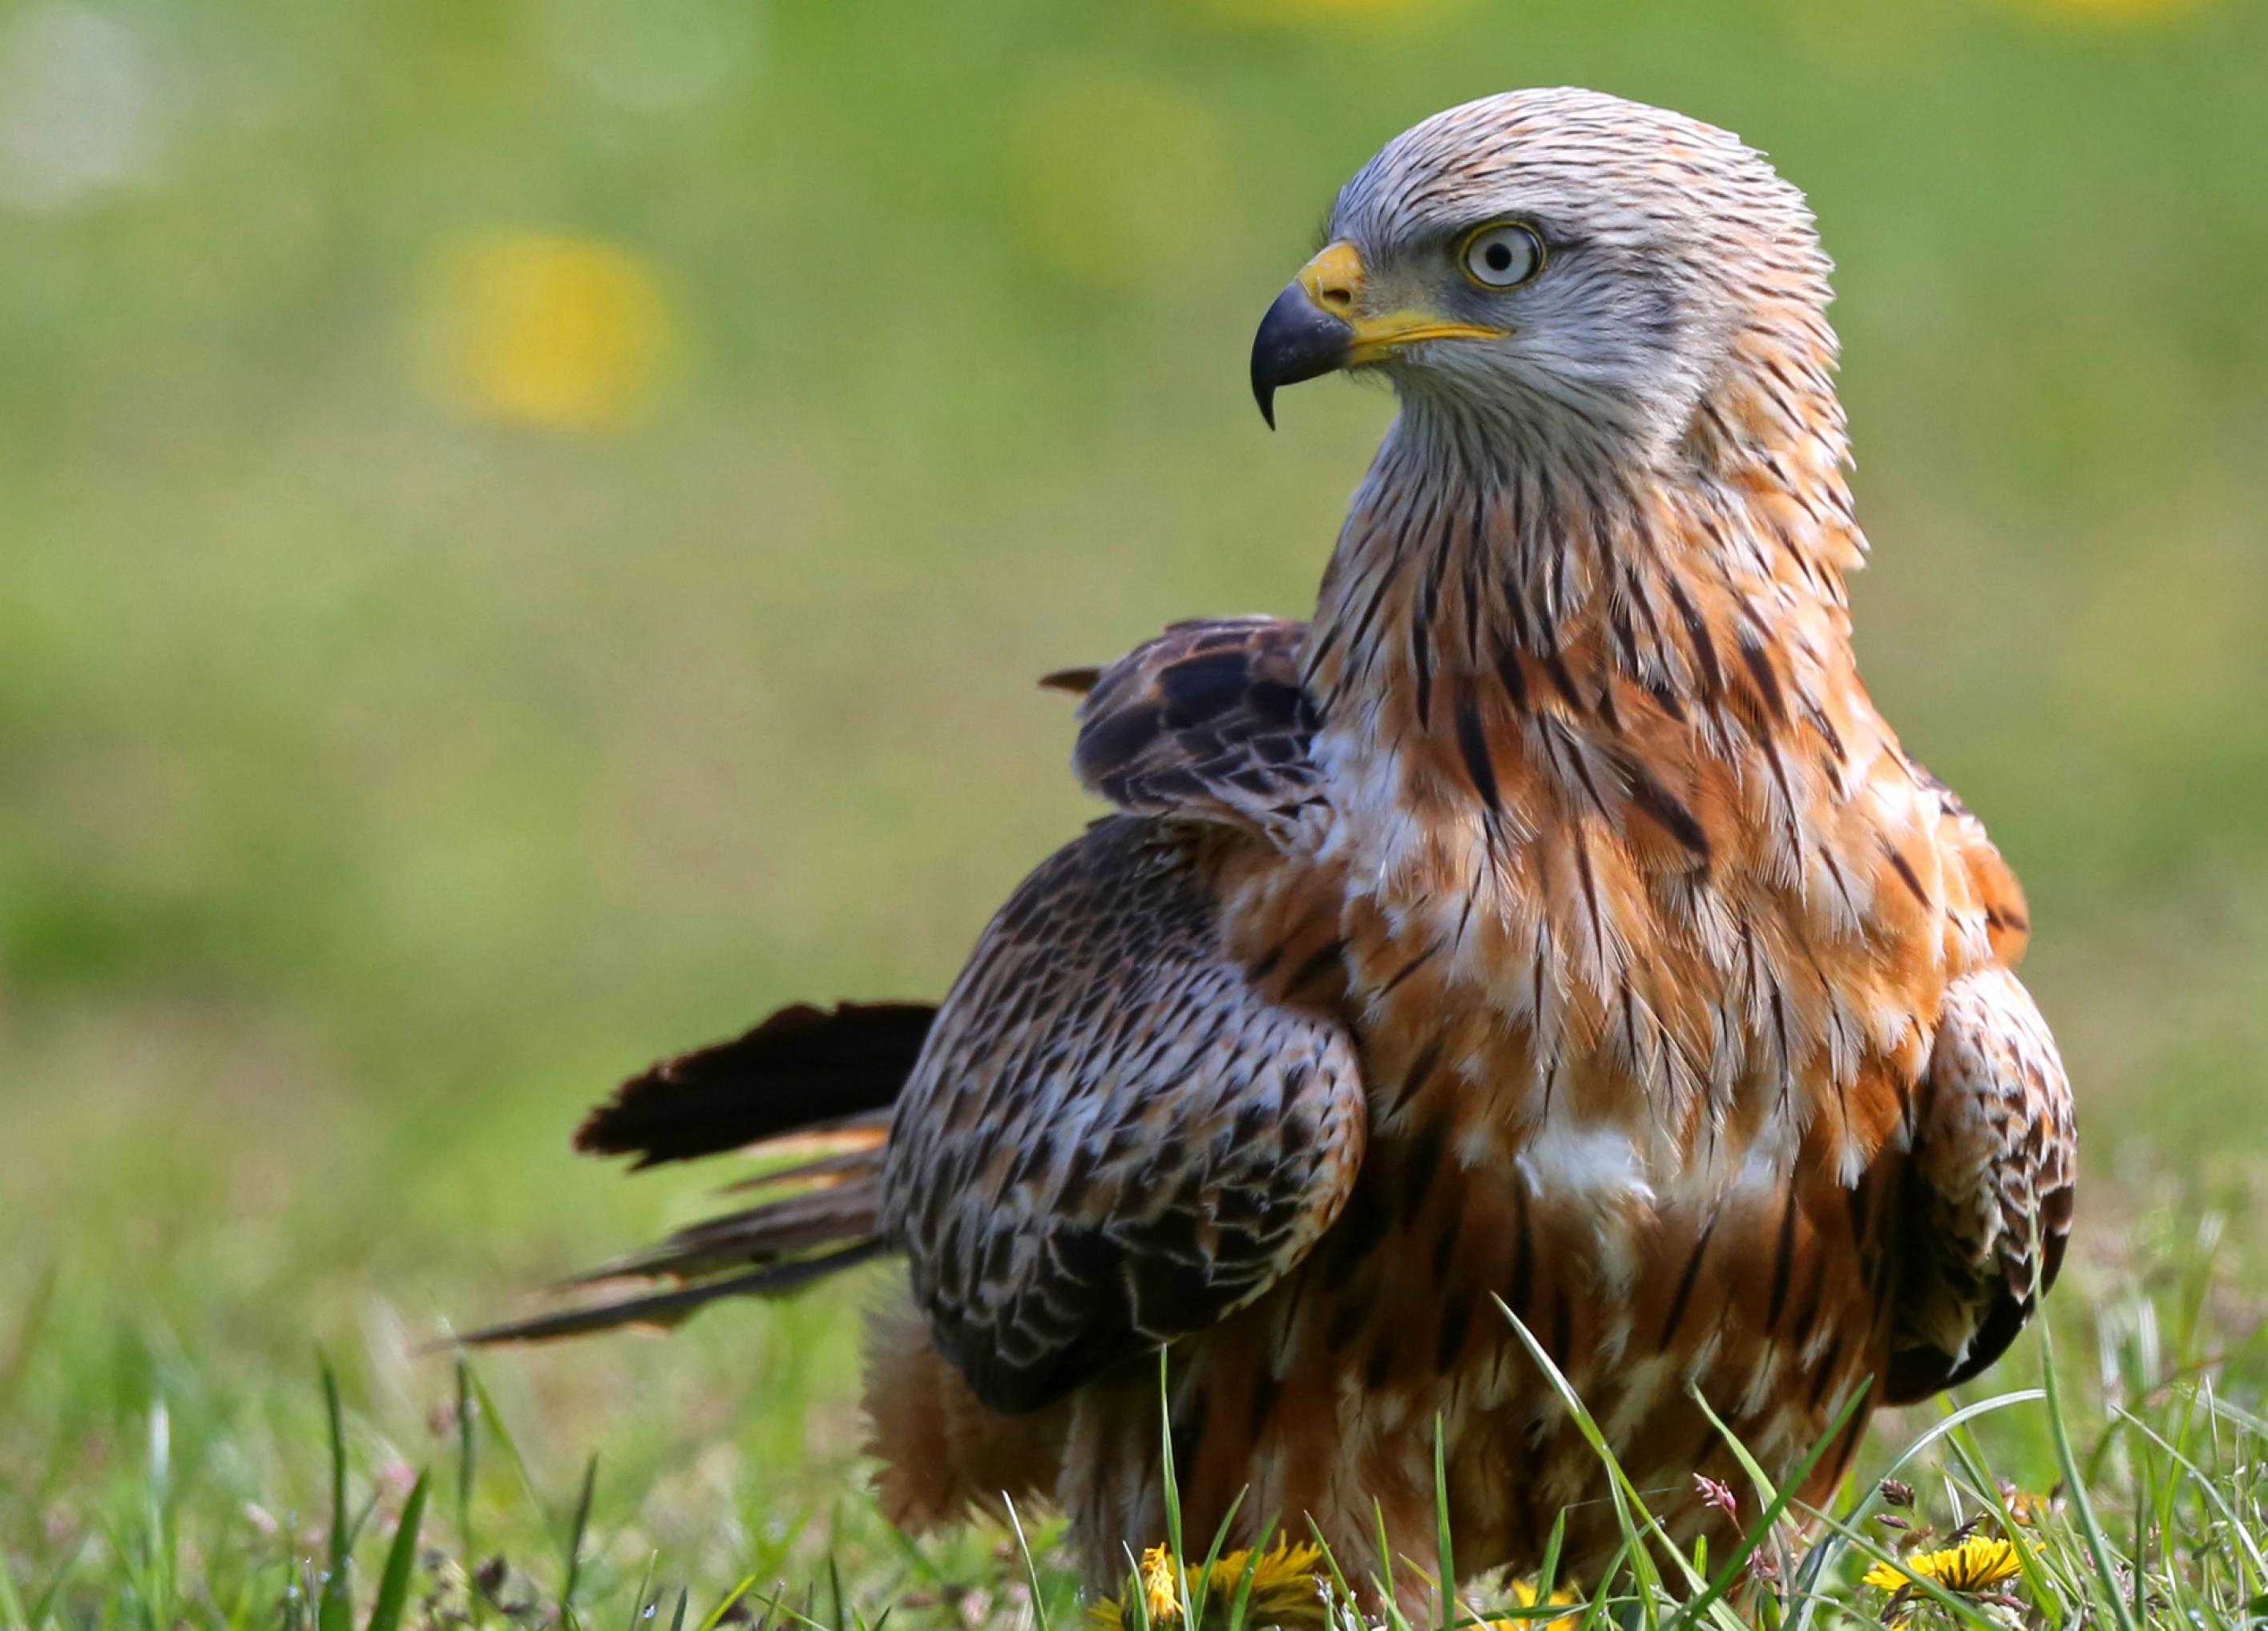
[29, 1328]
[572, 1575]
[1442, 1552]
[333, 1610]
[1547, 1572]
[1031, 1568]
[1213, 1556]
[401, 1559]
[2083, 1504]
[643, 1604]
[772, 1605]
[1240, 1604]
[1630, 1510]
[12, 1605]
[1171, 1485]
[1385, 1548]
[501, 1431]
[1779, 1499]
[1342, 1592]
[468, 1455]
[1135, 1597]
[716, 1616]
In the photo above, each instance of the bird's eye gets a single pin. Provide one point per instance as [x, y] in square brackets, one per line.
[1502, 257]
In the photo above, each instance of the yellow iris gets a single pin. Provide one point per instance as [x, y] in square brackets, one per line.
[1975, 1565]
[1287, 1590]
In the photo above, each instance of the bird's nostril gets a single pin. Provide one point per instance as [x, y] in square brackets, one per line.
[1336, 297]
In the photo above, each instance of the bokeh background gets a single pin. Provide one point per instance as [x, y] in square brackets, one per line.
[528, 529]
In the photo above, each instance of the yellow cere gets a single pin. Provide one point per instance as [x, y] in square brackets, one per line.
[1975, 1565]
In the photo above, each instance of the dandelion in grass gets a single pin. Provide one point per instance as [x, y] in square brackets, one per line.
[1976, 1565]
[1287, 1590]
[1525, 1595]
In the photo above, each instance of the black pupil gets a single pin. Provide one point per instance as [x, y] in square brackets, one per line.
[1498, 257]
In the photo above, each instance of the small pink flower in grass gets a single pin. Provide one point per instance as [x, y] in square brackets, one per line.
[1715, 1494]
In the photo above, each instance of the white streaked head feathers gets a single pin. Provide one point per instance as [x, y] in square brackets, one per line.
[1669, 240]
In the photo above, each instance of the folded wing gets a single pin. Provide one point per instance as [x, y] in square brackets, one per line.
[1995, 1172]
[1206, 722]
[1112, 1139]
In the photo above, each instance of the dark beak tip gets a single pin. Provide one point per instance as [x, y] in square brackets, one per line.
[1298, 340]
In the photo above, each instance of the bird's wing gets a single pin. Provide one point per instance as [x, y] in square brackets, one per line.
[1113, 1138]
[1994, 1172]
[1207, 721]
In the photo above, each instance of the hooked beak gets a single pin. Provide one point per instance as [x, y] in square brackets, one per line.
[1318, 326]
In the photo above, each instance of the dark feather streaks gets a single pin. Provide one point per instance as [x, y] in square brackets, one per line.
[1207, 721]
[1161, 1197]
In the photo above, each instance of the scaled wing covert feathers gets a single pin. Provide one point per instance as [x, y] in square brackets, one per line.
[1113, 1138]
[1206, 722]
[1993, 1179]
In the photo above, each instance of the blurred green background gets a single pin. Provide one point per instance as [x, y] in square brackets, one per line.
[527, 531]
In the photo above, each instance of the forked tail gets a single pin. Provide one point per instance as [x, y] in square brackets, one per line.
[810, 1088]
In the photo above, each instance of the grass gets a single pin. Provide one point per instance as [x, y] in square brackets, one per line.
[398, 746]
[2133, 1491]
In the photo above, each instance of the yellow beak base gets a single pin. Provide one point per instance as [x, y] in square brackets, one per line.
[1318, 325]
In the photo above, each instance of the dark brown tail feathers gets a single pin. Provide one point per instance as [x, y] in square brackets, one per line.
[802, 1067]
[810, 1083]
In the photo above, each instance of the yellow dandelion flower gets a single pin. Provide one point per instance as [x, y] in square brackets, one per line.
[1162, 1585]
[1287, 1590]
[538, 328]
[1525, 1595]
[1976, 1564]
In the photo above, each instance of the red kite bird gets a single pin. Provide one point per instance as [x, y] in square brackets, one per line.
[1551, 919]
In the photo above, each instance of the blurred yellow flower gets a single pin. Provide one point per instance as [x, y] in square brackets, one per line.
[543, 329]
[1976, 1564]
[1118, 180]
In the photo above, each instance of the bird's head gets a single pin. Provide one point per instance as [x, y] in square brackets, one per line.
[1557, 266]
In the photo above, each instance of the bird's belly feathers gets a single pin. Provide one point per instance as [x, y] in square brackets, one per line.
[1664, 1131]
[1722, 1258]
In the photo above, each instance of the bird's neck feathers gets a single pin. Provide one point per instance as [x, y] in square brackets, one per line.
[1586, 562]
